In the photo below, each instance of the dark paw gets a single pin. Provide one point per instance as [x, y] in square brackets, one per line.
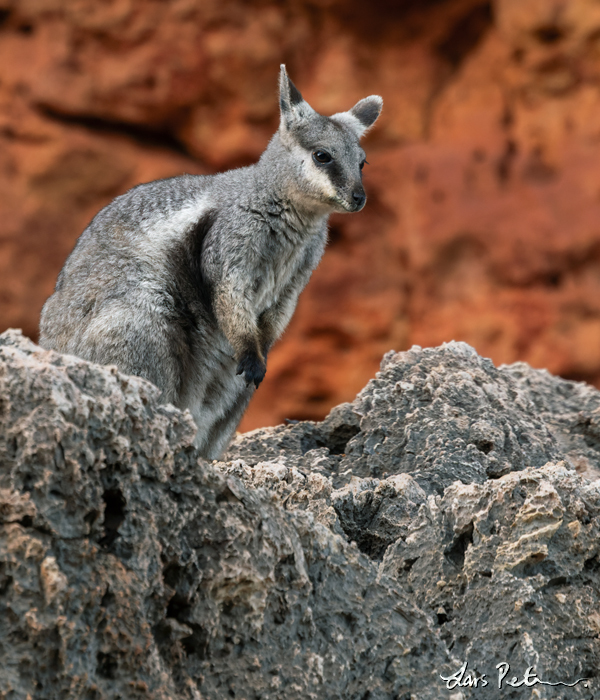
[252, 367]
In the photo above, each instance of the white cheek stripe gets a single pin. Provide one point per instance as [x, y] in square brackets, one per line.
[319, 179]
[312, 174]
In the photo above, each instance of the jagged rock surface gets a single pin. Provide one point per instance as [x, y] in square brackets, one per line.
[439, 518]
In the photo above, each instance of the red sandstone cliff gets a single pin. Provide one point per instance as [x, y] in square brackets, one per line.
[483, 221]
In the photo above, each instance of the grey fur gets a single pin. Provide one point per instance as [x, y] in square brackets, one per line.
[189, 281]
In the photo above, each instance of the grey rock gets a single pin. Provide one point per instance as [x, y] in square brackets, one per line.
[449, 514]
[129, 568]
[441, 415]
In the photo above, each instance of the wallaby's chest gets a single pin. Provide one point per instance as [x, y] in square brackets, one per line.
[279, 269]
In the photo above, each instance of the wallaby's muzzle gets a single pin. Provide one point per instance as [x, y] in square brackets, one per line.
[358, 199]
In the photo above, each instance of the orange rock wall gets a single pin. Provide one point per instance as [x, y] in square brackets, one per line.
[483, 220]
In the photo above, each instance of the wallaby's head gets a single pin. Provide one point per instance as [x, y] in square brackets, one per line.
[324, 152]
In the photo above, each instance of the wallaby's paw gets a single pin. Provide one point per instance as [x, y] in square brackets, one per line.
[252, 367]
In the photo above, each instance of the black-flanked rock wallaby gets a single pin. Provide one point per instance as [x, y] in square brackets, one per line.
[189, 281]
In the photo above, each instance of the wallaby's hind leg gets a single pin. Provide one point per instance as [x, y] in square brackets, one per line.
[223, 429]
[144, 345]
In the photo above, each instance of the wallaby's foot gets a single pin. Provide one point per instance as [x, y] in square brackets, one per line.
[252, 367]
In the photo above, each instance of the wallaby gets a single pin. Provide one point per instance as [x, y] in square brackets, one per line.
[189, 281]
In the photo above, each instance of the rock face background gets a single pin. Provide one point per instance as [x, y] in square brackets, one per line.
[450, 514]
[484, 181]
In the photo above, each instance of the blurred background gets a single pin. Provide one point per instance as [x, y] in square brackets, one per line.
[483, 219]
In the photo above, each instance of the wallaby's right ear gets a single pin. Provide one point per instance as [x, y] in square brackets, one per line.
[293, 106]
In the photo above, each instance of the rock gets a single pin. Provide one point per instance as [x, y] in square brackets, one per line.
[440, 415]
[439, 519]
[130, 568]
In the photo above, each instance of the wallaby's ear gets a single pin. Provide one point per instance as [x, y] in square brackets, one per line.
[293, 105]
[367, 110]
[362, 116]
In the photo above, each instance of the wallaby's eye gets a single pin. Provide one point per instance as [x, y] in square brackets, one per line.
[322, 157]
[362, 165]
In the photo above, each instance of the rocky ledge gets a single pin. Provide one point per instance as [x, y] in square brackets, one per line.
[449, 515]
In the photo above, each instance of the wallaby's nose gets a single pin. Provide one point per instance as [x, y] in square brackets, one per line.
[359, 199]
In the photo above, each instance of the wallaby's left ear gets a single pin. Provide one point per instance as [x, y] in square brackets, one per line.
[363, 115]
[367, 111]
[293, 106]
